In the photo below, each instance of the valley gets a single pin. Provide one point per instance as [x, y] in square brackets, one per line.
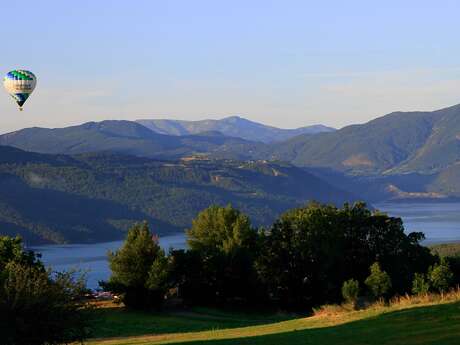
[96, 197]
[89, 183]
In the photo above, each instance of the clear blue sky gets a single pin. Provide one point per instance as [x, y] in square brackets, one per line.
[285, 63]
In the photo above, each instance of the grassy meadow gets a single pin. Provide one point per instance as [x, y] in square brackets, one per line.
[110, 320]
[429, 319]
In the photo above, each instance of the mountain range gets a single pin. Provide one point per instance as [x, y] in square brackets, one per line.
[401, 142]
[398, 143]
[233, 126]
[128, 137]
[129, 172]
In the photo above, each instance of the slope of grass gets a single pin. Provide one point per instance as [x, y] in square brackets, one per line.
[113, 321]
[430, 322]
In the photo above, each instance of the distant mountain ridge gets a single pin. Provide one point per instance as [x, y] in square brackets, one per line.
[128, 137]
[424, 145]
[233, 126]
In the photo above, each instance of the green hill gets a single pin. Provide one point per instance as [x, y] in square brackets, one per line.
[398, 142]
[95, 197]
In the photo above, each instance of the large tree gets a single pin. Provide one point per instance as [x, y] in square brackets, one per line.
[139, 269]
[224, 245]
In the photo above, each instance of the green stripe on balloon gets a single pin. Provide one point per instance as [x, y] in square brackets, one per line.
[22, 75]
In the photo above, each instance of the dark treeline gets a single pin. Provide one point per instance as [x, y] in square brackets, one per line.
[310, 256]
[37, 306]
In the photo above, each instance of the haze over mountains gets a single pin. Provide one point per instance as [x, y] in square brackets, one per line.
[233, 126]
[126, 137]
[401, 142]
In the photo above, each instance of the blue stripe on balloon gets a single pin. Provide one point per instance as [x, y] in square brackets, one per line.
[20, 97]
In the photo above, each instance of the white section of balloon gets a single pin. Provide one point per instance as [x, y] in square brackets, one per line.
[20, 84]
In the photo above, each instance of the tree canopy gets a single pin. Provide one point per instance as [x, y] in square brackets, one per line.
[139, 269]
[37, 306]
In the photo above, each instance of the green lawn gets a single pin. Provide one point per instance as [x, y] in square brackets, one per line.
[118, 322]
[436, 324]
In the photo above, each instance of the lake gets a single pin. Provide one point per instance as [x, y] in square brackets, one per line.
[92, 258]
[439, 221]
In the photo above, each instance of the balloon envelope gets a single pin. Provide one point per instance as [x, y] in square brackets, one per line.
[20, 84]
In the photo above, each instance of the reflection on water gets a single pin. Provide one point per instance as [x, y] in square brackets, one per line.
[439, 221]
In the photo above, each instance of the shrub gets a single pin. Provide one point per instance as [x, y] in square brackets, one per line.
[350, 290]
[420, 284]
[440, 276]
[378, 282]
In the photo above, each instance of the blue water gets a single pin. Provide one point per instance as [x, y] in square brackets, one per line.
[92, 258]
[439, 221]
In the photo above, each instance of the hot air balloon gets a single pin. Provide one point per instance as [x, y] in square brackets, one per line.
[20, 84]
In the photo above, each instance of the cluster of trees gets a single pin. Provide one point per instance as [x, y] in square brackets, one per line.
[36, 306]
[310, 256]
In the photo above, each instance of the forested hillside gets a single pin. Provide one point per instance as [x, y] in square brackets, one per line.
[401, 142]
[95, 197]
